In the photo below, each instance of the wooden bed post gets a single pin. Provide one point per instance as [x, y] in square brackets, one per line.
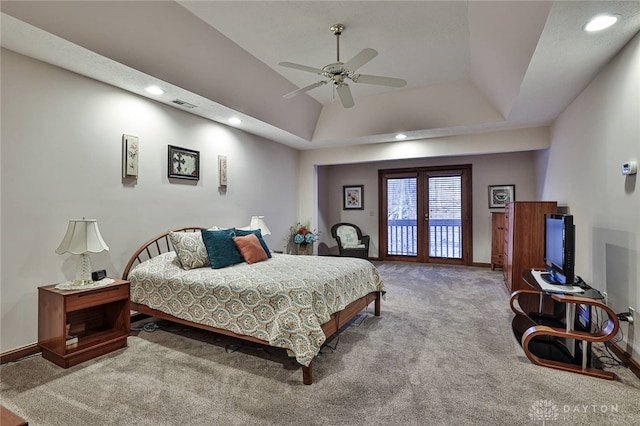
[376, 309]
[307, 374]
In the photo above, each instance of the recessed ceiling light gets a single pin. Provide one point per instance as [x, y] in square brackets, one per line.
[154, 90]
[600, 22]
[401, 136]
[235, 120]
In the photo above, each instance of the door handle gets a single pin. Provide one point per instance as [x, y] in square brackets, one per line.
[426, 217]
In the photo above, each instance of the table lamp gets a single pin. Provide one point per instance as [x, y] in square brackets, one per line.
[82, 237]
[257, 222]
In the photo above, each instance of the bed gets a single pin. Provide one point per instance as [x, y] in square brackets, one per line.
[290, 302]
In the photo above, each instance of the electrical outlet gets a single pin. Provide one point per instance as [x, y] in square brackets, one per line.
[632, 314]
[606, 298]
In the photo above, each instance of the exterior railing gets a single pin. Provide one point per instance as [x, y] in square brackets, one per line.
[445, 237]
[402, 237]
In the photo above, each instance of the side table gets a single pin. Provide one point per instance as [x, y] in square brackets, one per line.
[99, 317]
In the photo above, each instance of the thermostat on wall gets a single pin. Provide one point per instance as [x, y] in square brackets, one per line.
[630, 168]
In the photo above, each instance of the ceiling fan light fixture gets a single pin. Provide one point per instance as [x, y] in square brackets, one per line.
[601, 22]
[338, 72]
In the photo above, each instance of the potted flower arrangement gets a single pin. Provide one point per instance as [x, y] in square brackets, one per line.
[302, 237]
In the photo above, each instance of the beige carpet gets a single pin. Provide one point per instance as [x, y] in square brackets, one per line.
[442, 353]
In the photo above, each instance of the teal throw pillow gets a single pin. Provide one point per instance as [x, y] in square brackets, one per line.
[257, 233]
[221, 248]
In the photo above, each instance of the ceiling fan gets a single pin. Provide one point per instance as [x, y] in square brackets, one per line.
[337, 72]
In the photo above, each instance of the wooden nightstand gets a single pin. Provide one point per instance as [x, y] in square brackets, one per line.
[8, 418]
[100, 318]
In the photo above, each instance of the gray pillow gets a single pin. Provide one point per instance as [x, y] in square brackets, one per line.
[190, 249]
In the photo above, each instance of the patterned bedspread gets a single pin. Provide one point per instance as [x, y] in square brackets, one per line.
[283, 300]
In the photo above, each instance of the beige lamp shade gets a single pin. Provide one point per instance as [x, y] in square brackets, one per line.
[257, 222]
[83, 236]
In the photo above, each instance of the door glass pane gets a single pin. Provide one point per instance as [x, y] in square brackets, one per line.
[445, 213]
[402, 217]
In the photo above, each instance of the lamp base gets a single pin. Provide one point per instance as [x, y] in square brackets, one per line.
[83, 271]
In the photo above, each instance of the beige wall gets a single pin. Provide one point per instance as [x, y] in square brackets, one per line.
[447, 148]
[496, 169]
[61, 159]
[591, 140]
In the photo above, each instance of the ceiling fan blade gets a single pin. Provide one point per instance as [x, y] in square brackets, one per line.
[304, 89]
[380, 81]
[301, 67]
[345, 95]
[360, 59]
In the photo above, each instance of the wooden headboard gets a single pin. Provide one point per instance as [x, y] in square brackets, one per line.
[154, 247]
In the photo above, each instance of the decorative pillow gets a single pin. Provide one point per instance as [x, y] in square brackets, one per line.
[257, 233]
[190, 249]
[250, 248]
[221, 248]
[349, 237]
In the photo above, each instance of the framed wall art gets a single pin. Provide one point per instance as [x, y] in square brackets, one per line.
[129, 156]
[184, 163]
[352, 197]
[222, 170]
[500, 195]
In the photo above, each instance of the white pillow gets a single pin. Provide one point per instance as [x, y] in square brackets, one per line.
[349, 237]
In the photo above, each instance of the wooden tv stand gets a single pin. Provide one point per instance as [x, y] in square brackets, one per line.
[561, 339]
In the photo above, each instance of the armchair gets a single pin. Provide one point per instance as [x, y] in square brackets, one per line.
[351, 242]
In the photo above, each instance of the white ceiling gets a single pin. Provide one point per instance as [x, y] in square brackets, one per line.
[425, 43]
[470, 66]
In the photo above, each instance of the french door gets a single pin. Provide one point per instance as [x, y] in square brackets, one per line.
[426, 214]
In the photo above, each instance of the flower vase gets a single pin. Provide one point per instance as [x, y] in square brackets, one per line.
[303, 249]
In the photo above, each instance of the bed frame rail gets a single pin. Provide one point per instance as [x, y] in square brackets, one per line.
[337, 321]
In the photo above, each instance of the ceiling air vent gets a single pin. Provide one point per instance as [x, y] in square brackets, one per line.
[183, 104]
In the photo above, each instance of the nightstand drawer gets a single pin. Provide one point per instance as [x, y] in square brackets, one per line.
[96, 297]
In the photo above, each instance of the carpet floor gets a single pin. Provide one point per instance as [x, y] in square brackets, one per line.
[441, 353]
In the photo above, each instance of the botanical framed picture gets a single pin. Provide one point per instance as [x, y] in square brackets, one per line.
[184, 163]
[352, 197]
[129, 156]
[500, 195]
[222, 170]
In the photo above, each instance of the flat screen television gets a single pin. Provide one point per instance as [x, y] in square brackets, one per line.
[559, 249]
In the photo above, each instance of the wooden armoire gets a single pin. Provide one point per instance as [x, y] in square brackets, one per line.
[497, 240]
[524, 239]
